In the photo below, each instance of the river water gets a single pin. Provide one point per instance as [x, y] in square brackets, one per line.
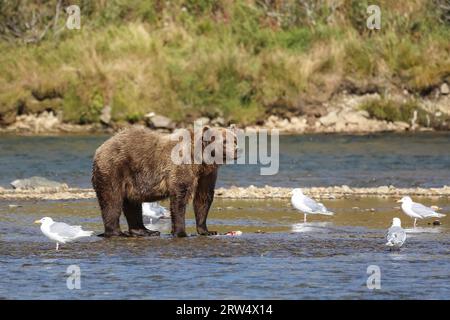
[309, 160]
[277, 256]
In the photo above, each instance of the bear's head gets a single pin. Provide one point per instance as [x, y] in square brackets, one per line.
[205, 145]
[219, 145]
[215, 145]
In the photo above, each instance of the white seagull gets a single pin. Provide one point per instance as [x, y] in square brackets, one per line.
[307, 205]
[418, 211]
[395, 236]
[154, 211]
[61, 232]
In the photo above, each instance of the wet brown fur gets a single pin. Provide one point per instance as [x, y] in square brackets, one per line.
[135, 166]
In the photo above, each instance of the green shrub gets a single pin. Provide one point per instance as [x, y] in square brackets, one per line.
[390, 110]
[235, 59]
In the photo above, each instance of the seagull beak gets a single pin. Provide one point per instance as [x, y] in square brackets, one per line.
[37, 221]
[399, 201]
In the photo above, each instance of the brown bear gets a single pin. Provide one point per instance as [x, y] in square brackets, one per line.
[139, 165]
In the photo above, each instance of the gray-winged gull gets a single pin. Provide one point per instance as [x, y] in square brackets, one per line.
[307, 205]
[395, 236]
[61, 232]
[418, 211]
[154, 211]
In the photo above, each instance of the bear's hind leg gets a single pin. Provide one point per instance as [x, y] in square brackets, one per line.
[133, 214]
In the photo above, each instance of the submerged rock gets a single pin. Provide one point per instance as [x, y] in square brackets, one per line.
[37, 183]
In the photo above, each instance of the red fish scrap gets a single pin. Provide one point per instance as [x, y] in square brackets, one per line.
[233, 233]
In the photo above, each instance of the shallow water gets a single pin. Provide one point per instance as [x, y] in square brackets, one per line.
[277, 257]
[401, 160]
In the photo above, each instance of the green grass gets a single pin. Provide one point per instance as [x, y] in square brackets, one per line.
[391, 110]
[235, 59]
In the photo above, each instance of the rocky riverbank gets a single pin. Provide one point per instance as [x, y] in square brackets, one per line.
[250, 192]
[334, 192]
[345, 113]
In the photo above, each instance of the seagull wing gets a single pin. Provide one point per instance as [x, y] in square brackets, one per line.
[148, 209]
[424, 211]
[313, 205]
[64, 230]
[164, 213]
[396, 236]
[154, 210]
[324, 210]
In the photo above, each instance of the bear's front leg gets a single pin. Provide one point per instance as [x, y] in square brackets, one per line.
[178, 204]
[203, 199]
[111, 217]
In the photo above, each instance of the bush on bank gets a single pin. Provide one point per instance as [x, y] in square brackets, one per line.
[240, 60]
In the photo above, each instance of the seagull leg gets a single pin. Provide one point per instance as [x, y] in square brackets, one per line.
[415, 220]
[57, 246]
[304, 218]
